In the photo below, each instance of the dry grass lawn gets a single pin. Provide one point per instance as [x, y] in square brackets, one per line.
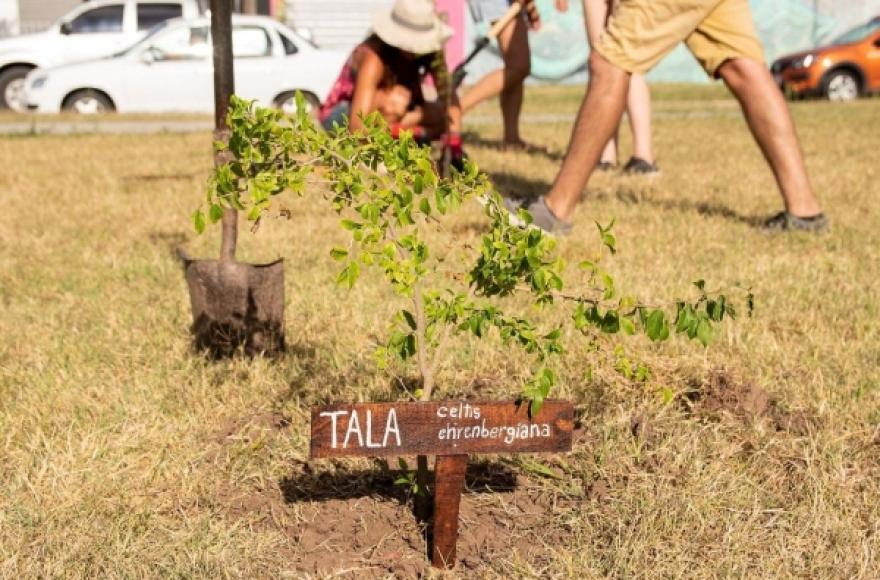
[122, 454]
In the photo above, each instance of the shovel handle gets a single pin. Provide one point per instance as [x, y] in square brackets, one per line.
[502, 22]
[459, 73]
[224, 87]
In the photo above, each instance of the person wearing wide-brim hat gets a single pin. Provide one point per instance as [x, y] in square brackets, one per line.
[404, 47]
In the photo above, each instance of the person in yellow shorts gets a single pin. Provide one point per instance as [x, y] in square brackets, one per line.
[721, 35]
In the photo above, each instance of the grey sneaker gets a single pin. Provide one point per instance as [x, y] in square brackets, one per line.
[786, 222]
[606, 166]
[542, 216]
[638, 166]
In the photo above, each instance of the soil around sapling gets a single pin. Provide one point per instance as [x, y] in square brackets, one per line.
[349, 519]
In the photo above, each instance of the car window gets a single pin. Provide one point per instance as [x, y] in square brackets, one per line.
[184, 43]
[103, 19]
[250, 42]
[149, 15]
[858, 33]
[289, 45]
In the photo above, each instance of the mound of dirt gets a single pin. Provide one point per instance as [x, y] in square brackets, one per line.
[722, 393]
[357, 524]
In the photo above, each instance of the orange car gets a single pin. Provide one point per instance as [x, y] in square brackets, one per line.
[841, 71]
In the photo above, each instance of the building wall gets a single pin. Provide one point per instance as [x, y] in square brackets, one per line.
[559, 49]
[334, 23]
[40, 14]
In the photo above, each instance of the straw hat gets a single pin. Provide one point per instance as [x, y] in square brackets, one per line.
[412, 25]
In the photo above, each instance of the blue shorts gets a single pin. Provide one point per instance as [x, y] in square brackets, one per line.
[339, 116]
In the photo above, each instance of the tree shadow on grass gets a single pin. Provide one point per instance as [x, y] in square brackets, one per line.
[477, 140]
[526, 190]
[518, 187]
[708, 209]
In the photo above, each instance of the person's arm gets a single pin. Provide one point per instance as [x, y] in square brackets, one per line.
[369, 77]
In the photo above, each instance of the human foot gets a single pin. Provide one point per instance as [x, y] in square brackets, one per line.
[639, 166]
[542, 216]
[786, 222]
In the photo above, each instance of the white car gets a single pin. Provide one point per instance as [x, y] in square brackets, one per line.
[93, 29]
[171, 70]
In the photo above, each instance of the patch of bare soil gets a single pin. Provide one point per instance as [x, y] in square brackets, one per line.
[351, 523]
[359, 537]
[725, 394]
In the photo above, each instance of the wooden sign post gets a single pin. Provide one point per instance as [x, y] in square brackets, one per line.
[451, 430]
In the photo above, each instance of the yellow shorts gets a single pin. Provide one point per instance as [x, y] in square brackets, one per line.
[641, 32]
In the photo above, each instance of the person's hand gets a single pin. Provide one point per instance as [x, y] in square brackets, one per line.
[562, 5]
[532, 14]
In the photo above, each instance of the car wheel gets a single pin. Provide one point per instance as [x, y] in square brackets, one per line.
[12, 88]
[88, 102]
[842, 86]
[287, 103]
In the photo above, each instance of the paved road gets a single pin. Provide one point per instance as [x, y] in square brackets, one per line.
[104, 126]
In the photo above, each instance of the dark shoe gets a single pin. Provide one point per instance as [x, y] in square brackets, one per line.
[786, 222]
[606, 166]
[542, 217]
[638, 166]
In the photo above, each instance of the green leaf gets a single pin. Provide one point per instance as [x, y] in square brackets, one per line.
[409, 318]
[657, 327]
[704, 332]
[535, 406]
[627, 326]
[587, 265]
[716, 308]
[539, 468]
[215, 213]
[349, 275]
[198, 221]
[338, 254]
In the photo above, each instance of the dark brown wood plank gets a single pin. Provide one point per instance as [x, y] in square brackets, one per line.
[439, 428]
[449, 473]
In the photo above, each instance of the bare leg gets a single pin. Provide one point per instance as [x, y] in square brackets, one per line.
[517, 65]
[597, 121]
[609, 154]
[506, 82]
[770, 122]
[638, 109]
[595, 19]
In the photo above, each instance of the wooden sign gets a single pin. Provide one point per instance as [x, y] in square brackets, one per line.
[450, 430]
[439, 428]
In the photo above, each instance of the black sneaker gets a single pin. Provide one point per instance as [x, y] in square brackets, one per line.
[638, 166]
[786, 222]
[606, 166]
